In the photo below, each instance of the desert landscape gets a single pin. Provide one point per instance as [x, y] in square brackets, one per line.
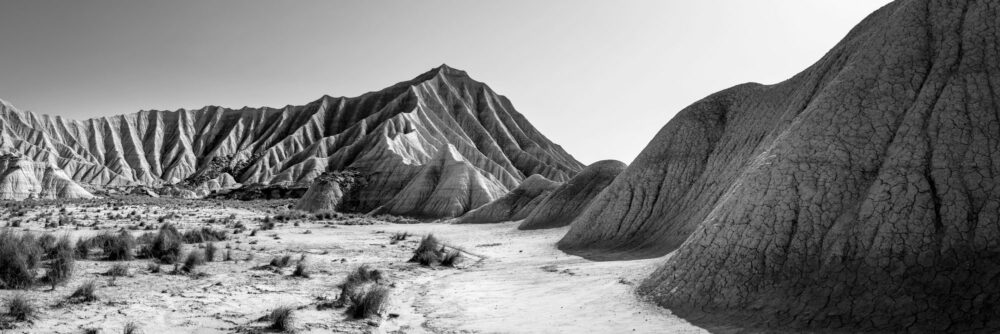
[859, 195]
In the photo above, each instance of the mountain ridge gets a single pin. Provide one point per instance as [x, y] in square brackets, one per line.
[403, 125]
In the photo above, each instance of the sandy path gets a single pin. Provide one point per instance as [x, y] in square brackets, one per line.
[525, 285]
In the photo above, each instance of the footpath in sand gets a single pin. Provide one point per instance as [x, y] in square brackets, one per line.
[525, 285]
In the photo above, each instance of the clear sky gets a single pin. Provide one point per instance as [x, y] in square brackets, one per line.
[597, 77]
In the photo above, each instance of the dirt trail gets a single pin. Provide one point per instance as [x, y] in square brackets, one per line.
[525, 285]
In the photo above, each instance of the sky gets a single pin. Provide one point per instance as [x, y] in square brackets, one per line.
[599, 78]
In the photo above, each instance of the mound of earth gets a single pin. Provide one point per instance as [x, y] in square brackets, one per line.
[515, 205]
[859, 195]
[448, 186]
[325, 194]
[24, 179]
[393, 133]
[566, 202]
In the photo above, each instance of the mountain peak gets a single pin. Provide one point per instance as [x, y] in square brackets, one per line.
[443, 70]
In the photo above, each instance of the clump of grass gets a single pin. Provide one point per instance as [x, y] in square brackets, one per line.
[400, 236]
[229, 255]
[428, 252]
[302, 269]
[282, 319]
[19, 308]
[204, 234]
[118, 270]
[194, 259]
[82, 248]
[86, 292]
[153, 267]
[369, 302]
[450, 259]
[281, 261]
[62, 264]
[131, 328]
[19, 257]
[116, 247]
[166, 246]
[210, 250]
[426, 257]
[357, 280]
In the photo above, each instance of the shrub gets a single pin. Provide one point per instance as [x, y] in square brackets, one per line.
[326, 215]
[19, 308]
[450, 259]
[116, 247]
[131, 328]
[400, 236]
[357, 279]
[281, 319]
[425, 258]
[118, 270]
[194, 259]
[282, 261]
[369, 302]
[19, 257]
[267, 225]
[302, 269]
[153, 267]
[210, 251]
[61, 266]
[86, 292]
[146, 238]
[229, 255]
[429, 242]
[204, 234]
[47, 242]
[82, 248]
[166, 245]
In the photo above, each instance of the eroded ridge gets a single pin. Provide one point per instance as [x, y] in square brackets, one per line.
[388, 135]
[858, 195]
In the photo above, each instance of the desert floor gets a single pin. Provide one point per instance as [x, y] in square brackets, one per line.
[510, 281]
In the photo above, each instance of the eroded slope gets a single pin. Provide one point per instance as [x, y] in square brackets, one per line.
[858, 195]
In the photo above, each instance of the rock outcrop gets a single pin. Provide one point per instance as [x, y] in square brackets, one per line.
[570, 199]
[859, 195]
[24, 179]
[515, 205]
[325, 194]
[389, 134]
[447, 186]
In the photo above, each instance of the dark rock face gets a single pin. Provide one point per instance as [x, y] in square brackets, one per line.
[860, 195]
[388, 135]
[571, 198]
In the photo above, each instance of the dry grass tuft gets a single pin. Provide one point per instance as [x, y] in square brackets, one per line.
[369, 302]
[302, 269]
[166, 246]
[19, 308]
[450, 259]
[210, 250]
[85, 293]
[282, 319]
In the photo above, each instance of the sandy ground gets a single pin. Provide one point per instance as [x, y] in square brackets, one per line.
[517, 282]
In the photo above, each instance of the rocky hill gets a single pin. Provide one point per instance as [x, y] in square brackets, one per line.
[567, 201]
[24, 179]
[389, 135]
[860, 195]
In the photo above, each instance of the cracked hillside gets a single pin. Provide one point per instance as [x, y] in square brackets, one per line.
[860, 194]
